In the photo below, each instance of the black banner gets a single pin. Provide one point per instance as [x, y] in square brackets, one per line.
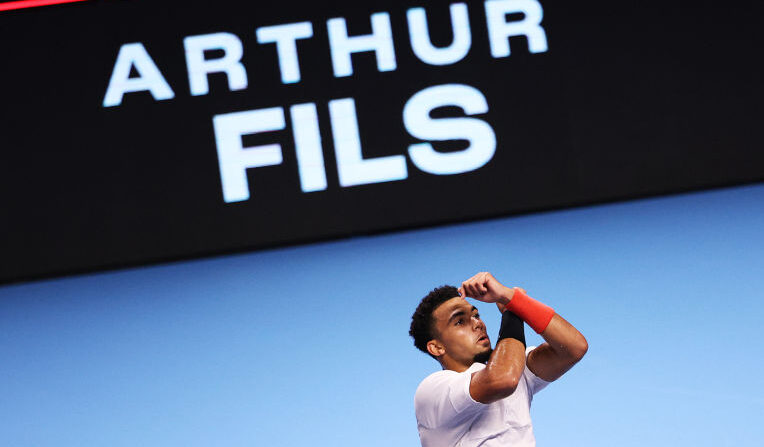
[140, 131]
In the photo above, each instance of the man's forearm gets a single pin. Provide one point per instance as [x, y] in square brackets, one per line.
[564, 339]
[506, 364]
[501, 374]
[564, 347]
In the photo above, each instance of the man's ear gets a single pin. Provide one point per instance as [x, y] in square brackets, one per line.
[435, 348]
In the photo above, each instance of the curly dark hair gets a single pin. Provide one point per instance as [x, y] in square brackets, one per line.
[422, 321]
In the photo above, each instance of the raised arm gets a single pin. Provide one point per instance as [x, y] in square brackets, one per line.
[505, 366]
[564, 346]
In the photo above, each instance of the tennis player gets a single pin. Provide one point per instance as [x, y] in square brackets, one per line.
[482, 396]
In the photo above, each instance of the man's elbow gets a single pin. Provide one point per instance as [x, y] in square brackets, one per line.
[503, 386]
[507, 388]
[579, 348]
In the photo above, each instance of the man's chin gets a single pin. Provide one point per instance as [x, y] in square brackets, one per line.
[483, 356]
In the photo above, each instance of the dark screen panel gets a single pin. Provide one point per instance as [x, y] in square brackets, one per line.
[624, 101]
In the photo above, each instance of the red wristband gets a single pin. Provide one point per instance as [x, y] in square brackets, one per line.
[536, 314]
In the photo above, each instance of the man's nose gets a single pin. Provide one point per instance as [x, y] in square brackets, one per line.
[478, 323]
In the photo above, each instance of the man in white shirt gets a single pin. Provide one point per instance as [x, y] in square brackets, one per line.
[482, 396]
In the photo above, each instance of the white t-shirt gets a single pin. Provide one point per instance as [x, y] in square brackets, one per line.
[447, 415]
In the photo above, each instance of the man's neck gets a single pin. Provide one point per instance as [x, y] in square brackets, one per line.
[461, 366]
[454, 365]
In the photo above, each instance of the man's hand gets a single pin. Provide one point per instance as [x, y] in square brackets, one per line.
[484, 287]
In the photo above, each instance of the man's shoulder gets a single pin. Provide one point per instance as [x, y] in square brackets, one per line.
[435, 381]
[431, 382]
[443, 398]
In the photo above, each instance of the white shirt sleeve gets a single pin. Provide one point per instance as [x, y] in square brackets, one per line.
[535, 383]
[443, 399]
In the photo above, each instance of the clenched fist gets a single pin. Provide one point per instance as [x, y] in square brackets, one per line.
[484, 287]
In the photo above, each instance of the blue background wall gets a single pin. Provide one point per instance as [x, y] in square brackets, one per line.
[309, 345]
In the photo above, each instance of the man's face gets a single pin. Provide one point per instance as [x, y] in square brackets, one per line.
[460, 331]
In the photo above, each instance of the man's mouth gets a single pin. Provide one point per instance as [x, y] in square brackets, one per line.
[483, 338]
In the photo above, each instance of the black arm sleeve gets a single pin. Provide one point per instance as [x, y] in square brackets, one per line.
[512, 327]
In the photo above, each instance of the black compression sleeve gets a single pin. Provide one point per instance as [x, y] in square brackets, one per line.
[512, 327]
